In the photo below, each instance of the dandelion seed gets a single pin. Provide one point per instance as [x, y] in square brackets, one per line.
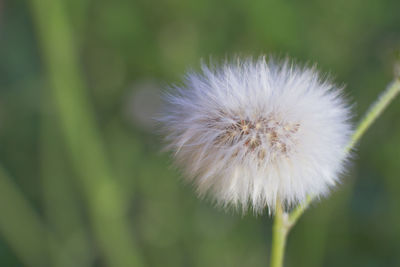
[253, 132]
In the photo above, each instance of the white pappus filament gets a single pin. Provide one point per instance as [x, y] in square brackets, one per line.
[253, 132]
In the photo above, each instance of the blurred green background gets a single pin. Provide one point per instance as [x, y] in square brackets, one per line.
[82, 178]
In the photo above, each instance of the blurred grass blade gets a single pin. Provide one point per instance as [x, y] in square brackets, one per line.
[20, 225]
[61, 204]
[106, 203]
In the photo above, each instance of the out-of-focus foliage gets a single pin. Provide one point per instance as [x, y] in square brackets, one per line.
[128, 51]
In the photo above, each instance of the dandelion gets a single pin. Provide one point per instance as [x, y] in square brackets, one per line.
[255, 132]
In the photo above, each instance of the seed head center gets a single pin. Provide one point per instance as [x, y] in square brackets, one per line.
[261, 135]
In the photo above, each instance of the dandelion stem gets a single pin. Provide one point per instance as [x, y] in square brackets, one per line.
[299, 210]
[280, 230]
[284, 222]
[375, 111]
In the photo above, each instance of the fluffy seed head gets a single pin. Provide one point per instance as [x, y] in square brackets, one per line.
[252, 133]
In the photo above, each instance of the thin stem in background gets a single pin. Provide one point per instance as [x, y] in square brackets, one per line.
[281, 226]
[20, 225]
[62, 209]
[106, 200]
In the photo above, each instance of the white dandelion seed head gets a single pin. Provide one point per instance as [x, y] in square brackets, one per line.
[250, 133]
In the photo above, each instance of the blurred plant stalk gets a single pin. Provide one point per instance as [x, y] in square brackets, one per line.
[106, 202]
[283, 222]
[62, 211]
[20, 225]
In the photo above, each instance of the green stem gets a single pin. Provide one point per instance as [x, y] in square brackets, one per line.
[20, 225]
[299, 210]
[374, 112]
[283, 222]
[59, 195]
[280, 230]
[107, 204]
